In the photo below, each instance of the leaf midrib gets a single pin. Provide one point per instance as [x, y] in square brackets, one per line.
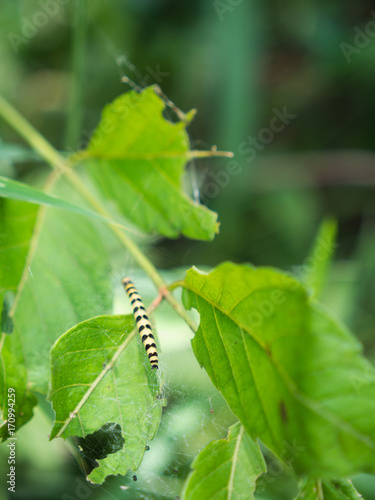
[96, 382]
[234, 462]
[163, 155]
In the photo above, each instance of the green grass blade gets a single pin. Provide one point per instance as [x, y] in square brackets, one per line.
[16, 190]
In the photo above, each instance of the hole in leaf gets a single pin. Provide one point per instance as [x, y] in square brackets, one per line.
[101, 443]
[169, 115]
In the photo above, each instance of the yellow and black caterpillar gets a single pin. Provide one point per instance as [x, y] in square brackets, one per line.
[142, 321]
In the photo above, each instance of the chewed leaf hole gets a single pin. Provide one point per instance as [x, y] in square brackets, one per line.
[101, 443]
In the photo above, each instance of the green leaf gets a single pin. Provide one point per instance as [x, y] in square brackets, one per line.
[20, 191]
[226, 469]
[101, 375]
[328, 490]
[17, 222]
[68, 281]
[316, 266]
[287, 369]
[137, 159]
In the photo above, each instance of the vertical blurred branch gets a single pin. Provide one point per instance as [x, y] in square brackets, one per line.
[240, 46]
[75, 104]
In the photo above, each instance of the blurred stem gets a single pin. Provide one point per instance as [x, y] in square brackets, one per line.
[55, 160]
[239, 46]
[132, 247]
[75, 108]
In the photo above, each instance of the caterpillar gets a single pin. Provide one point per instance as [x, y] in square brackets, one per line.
[143, 324]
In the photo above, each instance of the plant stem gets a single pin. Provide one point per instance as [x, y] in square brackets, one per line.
[55, 160]
[75, 110]
[188, 155]
[132, 247]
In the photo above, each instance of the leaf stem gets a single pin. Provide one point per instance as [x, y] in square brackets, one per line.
[188, 155]
[319, 490]
[175, 284]
[57, 161]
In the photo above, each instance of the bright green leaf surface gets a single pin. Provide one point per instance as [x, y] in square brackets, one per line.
[328, 490]
[16, 227]
[87, 392]
[68, 281]
[137, 159]
[291, 373]
[20, 191]
[226, 469]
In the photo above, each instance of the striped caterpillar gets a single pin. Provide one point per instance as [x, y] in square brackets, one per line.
[142, 321]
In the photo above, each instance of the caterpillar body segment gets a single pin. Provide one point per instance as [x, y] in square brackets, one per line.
[142, 321]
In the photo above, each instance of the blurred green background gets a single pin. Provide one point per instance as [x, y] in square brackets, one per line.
[241, 64]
